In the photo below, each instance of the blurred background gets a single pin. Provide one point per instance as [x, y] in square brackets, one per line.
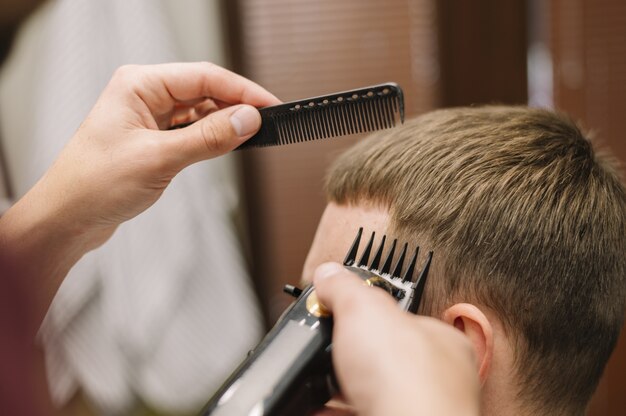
[569, 55]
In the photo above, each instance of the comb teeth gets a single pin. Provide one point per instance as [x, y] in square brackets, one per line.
[350, 112]
[402, 286]
[350, 259]
[379, 254]
[351, 256]
[418, 286]
[387, 264]
[397, 271]
[366, 253]
[408, 276]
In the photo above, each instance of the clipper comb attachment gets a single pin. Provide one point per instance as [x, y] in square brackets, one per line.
[401, 286]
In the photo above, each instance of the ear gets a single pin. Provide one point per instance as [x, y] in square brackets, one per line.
[474, 324]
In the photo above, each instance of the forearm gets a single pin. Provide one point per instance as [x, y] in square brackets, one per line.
[40, 244]
[119, 162]
[30, 272]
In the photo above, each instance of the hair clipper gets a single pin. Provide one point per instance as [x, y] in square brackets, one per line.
[290, 372]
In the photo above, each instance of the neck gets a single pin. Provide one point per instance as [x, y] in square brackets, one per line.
[498, 399]
[506, 402]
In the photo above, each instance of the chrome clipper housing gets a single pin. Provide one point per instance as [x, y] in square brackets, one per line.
[290, 372]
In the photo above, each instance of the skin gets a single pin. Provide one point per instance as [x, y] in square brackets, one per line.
[118, 164]
[372, 318]
[367, 324]
[336, 231]
[115, 166]
[120, 161]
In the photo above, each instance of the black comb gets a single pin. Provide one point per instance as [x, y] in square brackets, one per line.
[349, 112]
[394, 275]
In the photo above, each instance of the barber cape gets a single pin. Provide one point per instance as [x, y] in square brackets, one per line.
[163, 311]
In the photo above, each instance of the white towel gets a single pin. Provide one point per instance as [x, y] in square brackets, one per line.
[164, 310]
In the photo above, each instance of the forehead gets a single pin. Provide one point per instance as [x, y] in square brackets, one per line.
[337, 229]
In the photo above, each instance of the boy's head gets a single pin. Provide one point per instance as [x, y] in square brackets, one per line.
[528, 225]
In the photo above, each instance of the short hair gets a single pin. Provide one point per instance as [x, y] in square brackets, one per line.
[524, 216]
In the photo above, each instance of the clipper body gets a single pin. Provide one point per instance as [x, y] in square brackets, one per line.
[290, 372]
[286, 373]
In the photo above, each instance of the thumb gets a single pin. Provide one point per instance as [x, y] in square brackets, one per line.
[345, 294]
[334, 283]
[213, 135]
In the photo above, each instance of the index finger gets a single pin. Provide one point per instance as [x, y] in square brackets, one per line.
[161, 86]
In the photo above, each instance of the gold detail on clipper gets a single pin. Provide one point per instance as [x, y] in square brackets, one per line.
[315, 307]
[380, 282]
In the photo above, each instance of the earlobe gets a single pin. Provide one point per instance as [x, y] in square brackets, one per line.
[470, 320]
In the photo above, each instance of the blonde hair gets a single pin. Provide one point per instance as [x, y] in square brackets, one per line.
[524, 218]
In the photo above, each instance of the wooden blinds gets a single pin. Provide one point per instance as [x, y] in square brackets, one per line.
[298, 49]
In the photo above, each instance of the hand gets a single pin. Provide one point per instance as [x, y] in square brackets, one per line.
[389, 362]
[120, 160]
[117, 164]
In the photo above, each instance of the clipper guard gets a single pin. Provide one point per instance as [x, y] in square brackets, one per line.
[290, 372]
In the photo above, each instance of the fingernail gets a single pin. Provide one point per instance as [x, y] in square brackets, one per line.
[245, 120]
[326, 270]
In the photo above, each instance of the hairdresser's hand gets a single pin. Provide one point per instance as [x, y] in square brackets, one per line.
[122, 158]
[389, 362]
